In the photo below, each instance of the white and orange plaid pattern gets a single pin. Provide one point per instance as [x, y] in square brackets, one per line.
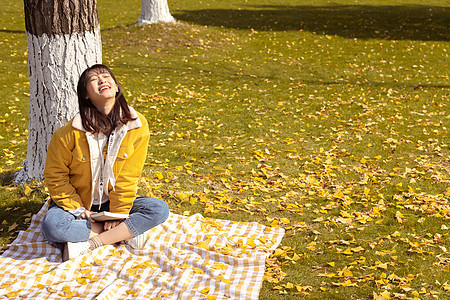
[184, 258]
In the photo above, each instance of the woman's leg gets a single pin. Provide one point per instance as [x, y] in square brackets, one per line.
[145, 214]
[60, 226]
[96, 229]
[115, 235]
[81, 236]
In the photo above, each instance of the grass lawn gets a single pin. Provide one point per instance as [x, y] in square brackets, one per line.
[328, 118]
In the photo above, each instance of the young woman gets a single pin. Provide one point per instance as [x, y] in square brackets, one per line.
[93, 164]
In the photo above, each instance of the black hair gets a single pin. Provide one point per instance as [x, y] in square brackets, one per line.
[94, 120]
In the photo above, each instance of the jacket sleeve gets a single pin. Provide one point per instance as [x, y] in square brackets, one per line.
[56, 174]
[124, 193]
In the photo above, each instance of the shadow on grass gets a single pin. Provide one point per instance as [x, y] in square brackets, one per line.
[15, 217]
[16, 209]
[12, 31]
[7, 178]
[396, 22]
[231, 74]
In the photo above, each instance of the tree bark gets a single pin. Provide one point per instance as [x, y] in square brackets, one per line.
[155, 11]
[63, 40]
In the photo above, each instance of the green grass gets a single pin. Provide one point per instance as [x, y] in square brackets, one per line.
[329, 116]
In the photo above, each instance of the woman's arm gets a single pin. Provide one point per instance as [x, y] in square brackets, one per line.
[56, 174]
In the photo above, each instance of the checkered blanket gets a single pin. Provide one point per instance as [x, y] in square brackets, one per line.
[184, 258]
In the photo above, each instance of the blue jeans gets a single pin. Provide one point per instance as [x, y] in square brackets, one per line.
[60, 226]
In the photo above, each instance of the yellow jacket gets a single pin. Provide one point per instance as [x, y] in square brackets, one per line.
[68, 166]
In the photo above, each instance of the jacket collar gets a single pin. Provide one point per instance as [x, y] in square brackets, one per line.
[76, 121]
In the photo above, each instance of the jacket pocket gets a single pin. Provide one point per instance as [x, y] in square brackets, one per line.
[80, 160]
[125, 152]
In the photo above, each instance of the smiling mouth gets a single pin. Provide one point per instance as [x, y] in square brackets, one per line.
[104, 88]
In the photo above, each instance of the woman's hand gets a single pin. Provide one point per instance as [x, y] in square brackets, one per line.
[111, 224]
[87, 215]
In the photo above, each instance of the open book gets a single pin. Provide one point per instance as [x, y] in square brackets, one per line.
[107, 216]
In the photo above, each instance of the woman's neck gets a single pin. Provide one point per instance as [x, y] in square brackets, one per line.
[105, 107]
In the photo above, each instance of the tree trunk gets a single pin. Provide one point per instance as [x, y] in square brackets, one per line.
[155, 11]
[63, 40]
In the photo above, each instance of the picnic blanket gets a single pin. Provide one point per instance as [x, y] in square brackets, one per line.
[187, 257]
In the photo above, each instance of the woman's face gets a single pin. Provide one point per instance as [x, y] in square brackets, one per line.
[101, 89]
